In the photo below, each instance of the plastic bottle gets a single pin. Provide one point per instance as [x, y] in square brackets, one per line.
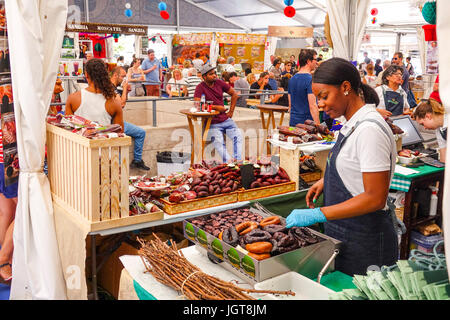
[203, 102]
[433, 201]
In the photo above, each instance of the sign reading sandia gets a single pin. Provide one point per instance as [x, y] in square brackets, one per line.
[202, 239]
[190, 232]
[248, 266]
[217, 248]
[233, 257]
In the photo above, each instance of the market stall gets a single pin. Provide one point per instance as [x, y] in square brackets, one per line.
[247, 49]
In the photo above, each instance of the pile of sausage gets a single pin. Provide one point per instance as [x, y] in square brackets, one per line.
[215, 223]
[261, 237]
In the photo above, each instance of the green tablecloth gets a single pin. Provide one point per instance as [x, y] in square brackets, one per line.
[402, 182]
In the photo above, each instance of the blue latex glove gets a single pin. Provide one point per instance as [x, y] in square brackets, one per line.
[304, 217]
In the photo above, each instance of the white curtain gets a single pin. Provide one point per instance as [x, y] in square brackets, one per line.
[269, 51]
[422, 47]
[346, 30]
[443, 30]
[214, 50]
[35, 32]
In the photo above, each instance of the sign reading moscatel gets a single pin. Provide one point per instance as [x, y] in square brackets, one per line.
[290, 32]
[89, 27]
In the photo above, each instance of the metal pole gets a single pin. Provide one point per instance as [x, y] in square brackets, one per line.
[86, 9]
[397, 42]
[178, 16]
[351, 28]
[154, 113]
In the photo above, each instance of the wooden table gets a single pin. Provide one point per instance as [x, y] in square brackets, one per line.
[199, 123]
[254, 102]
[269, 110]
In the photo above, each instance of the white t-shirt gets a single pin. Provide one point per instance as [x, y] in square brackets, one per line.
[176, 86]
[382, 105]
[371, 80]
[367, 149]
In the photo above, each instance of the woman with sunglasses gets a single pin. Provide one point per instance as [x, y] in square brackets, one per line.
[393, 98]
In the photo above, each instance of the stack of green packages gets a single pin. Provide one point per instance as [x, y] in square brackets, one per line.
[423, 277]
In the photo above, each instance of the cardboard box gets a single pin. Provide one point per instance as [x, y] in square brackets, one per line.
[109, 275]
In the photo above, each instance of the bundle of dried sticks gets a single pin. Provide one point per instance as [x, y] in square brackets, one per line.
[170, 267]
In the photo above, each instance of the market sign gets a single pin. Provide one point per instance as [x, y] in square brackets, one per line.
[241, 38]
[290, 32]
[192, 39]
[107, 28]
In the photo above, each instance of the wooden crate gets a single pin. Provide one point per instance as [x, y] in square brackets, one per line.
[198, 204]
[89, 179]
[263, 192]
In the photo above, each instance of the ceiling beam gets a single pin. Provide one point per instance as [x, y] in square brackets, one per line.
[280, 8]
[314, 26]
[200, 6]
[317, 5]
[265, 12]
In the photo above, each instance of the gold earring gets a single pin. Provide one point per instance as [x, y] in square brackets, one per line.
[346, 93]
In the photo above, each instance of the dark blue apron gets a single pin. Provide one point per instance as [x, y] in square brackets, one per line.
[367, 240]
[394, 102]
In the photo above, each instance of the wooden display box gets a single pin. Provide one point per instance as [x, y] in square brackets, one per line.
[200, 203]
[89, 179]
[263, 192]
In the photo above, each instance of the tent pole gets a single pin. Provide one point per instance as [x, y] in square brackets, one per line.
[178, 16]
[86, 9]
[397, 42]
[351, 28]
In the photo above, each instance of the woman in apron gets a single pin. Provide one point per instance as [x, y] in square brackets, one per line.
[431, 115]
[358, 173]
[393, 99]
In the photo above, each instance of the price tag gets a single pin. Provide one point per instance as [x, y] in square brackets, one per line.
[247, 175]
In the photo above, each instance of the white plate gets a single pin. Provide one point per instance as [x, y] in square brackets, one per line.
[152, 186]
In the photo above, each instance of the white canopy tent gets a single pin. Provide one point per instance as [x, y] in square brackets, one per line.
[35, 32]
[347, 25]
[37, 28]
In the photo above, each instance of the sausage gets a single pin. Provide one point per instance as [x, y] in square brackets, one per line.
[259, 247]
[226, 190]
[203, 194]
[259, 256]
[246, 227]
[257, 236]
[202, 188]
[273, 228]
[255, 184]
[270, 220]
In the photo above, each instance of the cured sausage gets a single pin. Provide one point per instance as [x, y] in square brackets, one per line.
[259, 247]
[246, 227]
[259, 256]
[270, 220]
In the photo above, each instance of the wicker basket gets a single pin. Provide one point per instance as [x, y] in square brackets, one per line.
[311, 176]
[200, 203]
[263, 192]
